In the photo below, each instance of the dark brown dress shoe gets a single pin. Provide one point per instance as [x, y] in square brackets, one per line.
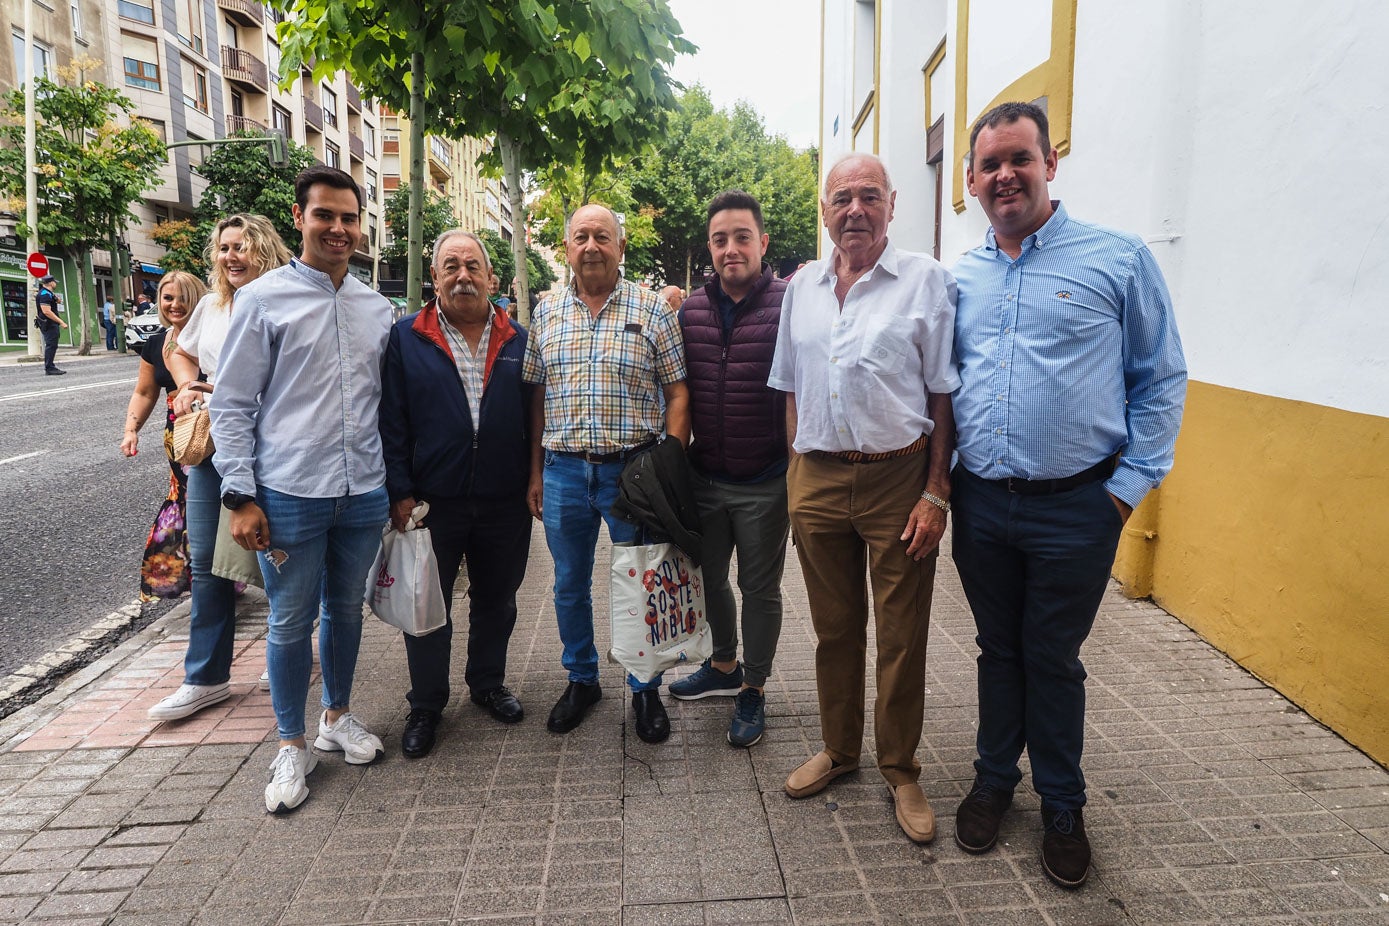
[1065, 847]
[571, 707]
[420, 728]
[653, 724]
[979, 816]
[500, 703]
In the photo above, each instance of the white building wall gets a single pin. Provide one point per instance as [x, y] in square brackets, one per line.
[1212, 131]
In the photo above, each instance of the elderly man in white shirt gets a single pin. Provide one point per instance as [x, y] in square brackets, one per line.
[294, 420]
[864, 355]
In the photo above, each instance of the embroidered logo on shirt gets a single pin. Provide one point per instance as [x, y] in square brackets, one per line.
[1064, 294]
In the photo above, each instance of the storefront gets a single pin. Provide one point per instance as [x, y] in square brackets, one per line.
[17, 291]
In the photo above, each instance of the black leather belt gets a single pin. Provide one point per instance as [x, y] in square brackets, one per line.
[1101, 470]
[617, 456]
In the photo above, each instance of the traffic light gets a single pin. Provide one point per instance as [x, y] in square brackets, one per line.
[278, 152]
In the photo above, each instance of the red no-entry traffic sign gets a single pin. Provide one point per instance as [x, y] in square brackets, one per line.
[37, 264]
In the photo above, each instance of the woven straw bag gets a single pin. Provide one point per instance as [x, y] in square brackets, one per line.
[193, 436]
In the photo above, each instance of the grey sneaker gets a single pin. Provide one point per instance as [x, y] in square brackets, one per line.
[188, 700]
[708, 682]
[749, 718]
[358, 745]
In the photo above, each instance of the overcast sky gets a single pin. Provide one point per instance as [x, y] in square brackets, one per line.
[764, 51]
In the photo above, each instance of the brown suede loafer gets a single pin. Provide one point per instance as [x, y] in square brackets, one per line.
[913, 812]
[815, 773]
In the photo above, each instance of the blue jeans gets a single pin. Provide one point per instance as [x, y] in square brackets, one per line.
[577, 496]
[212, 622]
[1034, 569]
[328, 545]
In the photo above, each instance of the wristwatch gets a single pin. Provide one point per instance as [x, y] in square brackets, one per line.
[234, 500]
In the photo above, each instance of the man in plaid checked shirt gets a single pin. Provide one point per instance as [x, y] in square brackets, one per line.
[603, 354]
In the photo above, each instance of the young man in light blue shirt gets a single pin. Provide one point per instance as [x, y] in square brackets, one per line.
[294, 420]
[1072, 385]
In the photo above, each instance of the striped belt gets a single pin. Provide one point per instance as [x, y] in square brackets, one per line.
[858, 456]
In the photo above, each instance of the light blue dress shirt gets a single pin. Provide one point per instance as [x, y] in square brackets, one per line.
[1067, 355]
[299, 386]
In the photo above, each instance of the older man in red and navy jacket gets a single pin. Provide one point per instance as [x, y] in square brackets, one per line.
[739, 456]
[454, 434]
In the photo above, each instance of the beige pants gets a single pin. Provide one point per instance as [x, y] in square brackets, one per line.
[845, 516]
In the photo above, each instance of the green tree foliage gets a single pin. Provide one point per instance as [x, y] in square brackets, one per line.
[705, 152]
[91, 169]
[504, 262]
[183, 244]
[574, 81]
[240, 179]
[438, 218]
[542, 275]
[500, 253]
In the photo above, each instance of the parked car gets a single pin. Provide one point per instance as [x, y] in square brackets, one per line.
[141, 327]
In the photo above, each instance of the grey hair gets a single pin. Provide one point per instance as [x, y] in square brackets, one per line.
[859, 155]
[621, 229]
[455, 233]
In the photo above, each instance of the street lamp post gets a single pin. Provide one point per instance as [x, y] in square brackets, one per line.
[31, 180]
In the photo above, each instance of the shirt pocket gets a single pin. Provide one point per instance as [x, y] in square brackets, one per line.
[628, 361]
[887, 344]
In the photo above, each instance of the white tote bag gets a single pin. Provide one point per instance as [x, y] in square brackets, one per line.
[658, 619]
[403, 585]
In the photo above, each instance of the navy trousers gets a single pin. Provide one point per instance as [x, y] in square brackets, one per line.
[1034, 568]
[494, 537]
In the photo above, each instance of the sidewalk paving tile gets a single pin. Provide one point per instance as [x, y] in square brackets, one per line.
[1213, 800]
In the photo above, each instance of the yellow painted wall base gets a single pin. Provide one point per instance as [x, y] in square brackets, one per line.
[1272, 542]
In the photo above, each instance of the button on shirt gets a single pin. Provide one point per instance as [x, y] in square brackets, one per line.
[470, 363]
[1067, 355]
[603, 376]
[299, 386]
[861, 374]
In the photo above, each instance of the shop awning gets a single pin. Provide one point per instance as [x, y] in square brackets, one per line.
[150, 268]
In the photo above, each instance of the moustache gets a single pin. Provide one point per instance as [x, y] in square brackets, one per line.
[463, 289]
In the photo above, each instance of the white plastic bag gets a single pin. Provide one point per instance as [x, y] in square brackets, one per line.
[403, 585]
[658, 620]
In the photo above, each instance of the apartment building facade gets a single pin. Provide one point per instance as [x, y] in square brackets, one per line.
[196, 69]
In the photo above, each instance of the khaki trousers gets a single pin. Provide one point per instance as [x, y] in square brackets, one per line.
[846, 517]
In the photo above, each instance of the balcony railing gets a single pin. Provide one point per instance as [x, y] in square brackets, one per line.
[390, 146]
[356, 147]
[246, 12]
[313, 115]
[354, 97]
[243, 124]
[245, 68]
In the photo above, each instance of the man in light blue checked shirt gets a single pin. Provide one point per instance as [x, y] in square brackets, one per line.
[1072, 385]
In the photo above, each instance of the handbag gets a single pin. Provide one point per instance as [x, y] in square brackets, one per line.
[230, 560]
[658, 618]
[193, 436]
[403, 584]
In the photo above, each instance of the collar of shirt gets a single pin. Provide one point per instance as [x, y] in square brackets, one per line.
[1041, 237]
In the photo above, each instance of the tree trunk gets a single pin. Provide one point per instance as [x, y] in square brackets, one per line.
[511, 169]
[118, 275]
[86, 297]
[414, 274]
[689, 259]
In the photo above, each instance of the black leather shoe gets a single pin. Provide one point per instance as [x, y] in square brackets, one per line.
[571, 707]
[55, 372]
[979, 816]
[1065, 847]
[500, 703]
[653, 724]
[418, 738]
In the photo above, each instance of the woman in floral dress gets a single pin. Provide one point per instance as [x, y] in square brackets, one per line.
[165, 570]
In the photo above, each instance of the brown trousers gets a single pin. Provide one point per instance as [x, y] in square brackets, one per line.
[845, 517]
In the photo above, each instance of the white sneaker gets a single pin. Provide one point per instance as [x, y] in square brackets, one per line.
[189, 699]
[349, 737]
[265, 680]
[287, 789]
